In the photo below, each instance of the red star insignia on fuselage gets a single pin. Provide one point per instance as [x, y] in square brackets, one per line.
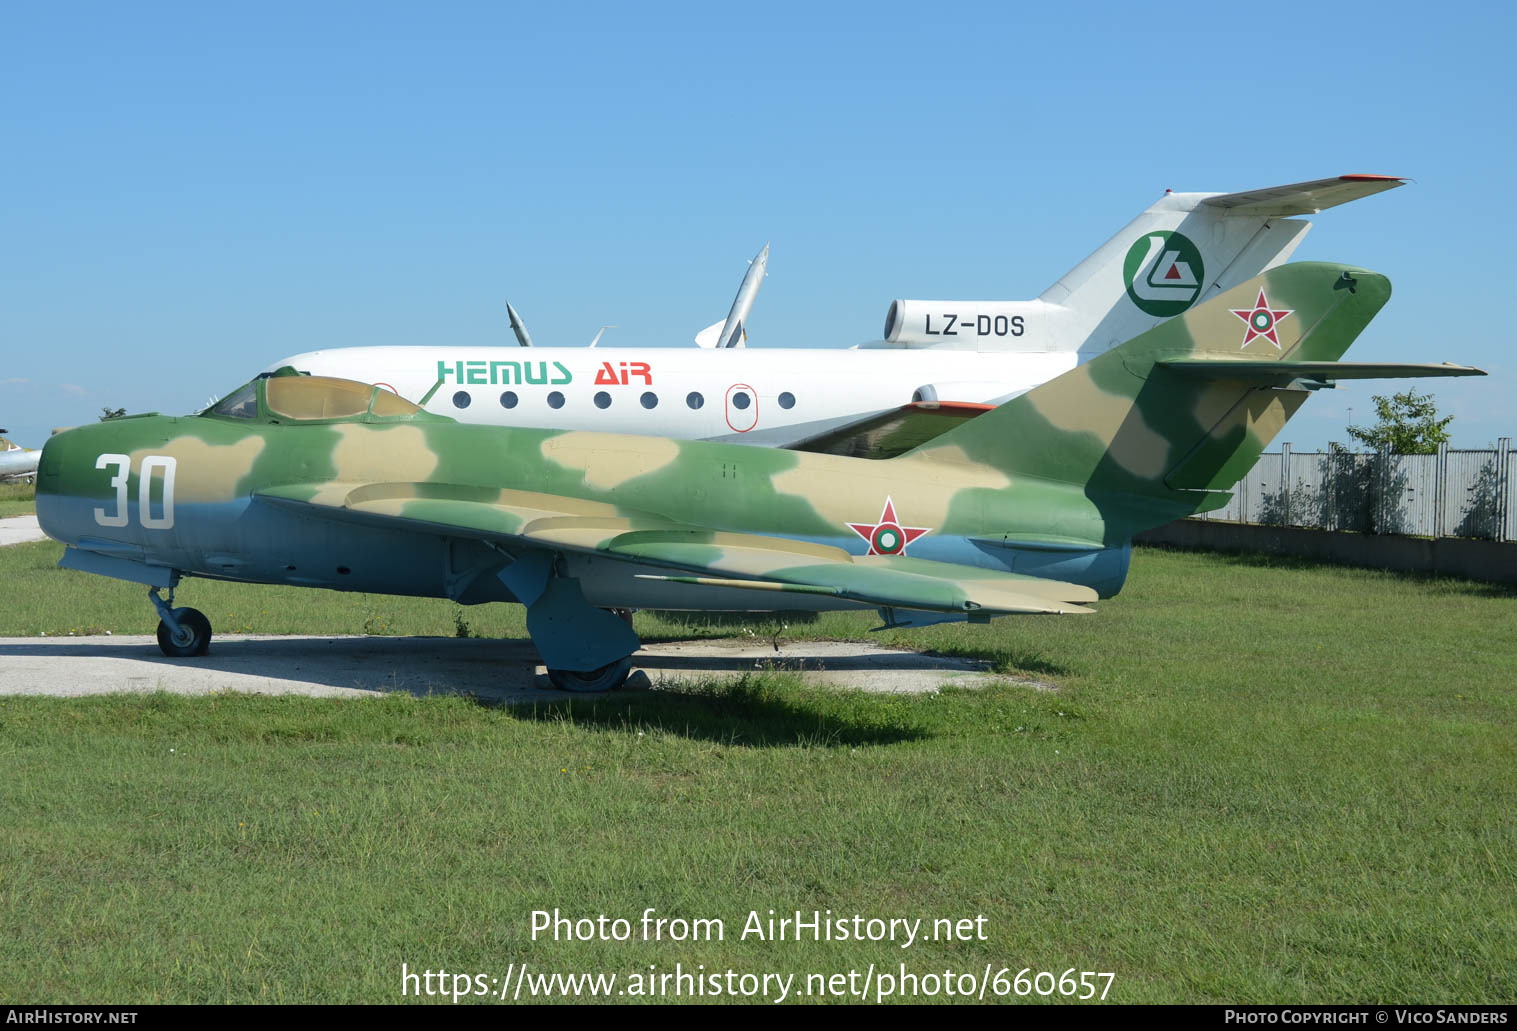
[888, 536]
[1262, 320]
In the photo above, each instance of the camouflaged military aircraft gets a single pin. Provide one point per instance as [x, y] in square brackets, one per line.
[1029, 508]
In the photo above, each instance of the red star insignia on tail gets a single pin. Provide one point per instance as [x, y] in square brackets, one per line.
[1262, 320]
[888, 536]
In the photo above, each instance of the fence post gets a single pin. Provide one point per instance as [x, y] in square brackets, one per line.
[1503, 486]
[1329, 508]
[1285, 484]
[1441, 490]
[1382, 488]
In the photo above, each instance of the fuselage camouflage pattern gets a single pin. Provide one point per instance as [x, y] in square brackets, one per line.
[1030, 507]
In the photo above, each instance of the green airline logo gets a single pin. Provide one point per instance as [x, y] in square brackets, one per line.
[481, 373]
[1163, 271]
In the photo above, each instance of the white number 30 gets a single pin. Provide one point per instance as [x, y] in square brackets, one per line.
[150, 465]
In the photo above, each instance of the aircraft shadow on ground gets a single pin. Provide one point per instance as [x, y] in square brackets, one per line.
[743, 715]
[1019, 661]
[496, 672]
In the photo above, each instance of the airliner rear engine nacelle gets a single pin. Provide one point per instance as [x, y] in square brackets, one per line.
[984, 325]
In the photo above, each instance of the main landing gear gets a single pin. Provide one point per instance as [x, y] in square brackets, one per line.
[607, 678]
[584, 647]
[181, 632]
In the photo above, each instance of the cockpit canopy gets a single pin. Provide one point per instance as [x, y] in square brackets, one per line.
[296, 398]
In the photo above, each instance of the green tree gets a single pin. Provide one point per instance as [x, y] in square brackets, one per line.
[116, 413]
[1409, 425]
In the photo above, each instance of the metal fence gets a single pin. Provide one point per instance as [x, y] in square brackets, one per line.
[1450, 494]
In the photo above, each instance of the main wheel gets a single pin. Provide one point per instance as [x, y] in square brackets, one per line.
[194, 635]
[607, 678]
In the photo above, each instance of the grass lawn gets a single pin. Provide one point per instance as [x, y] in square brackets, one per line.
[1259, 780]
[17, 499]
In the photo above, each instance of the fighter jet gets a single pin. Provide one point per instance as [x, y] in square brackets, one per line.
[16, 463]
[1027, 509]
[948, 360]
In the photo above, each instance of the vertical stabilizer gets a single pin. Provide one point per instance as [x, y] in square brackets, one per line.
[1179, 252]
[1146, 436]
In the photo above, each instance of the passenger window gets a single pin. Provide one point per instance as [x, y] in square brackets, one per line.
[462, 399]
[240, 404]
[740, 401]
[787, 400]
[649, 400]
[694, 399]
[602, 399]
[555, 400]
[508, 399]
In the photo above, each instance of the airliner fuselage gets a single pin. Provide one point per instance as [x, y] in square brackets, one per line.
[769, 396]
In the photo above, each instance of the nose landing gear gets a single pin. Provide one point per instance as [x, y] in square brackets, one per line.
[181, 632]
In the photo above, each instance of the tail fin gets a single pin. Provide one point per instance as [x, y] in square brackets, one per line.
[1162, 425]
[1181, 251]
[1188, 248]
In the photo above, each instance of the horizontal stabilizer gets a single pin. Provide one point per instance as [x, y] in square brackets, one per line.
[1283, 372]
[1304, 198]
[891, 433]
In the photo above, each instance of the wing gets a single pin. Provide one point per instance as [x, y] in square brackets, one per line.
[709, 557]
[894, 432]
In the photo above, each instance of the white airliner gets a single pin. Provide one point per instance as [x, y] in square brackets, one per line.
[949, 358]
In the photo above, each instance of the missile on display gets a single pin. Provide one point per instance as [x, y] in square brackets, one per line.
[518, 327]
[733, 331]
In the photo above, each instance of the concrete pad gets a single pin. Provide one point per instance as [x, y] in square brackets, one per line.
[505, 671]
[842, 664]
[19, 529]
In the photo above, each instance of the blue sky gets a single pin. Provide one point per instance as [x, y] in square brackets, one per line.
[192, 191]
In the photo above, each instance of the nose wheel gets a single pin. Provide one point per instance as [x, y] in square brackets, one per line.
[193, 636]
[181, 632]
